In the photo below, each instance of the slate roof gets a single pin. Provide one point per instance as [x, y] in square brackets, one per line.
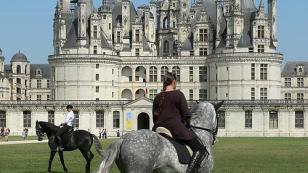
[289, 70]
[45, 68]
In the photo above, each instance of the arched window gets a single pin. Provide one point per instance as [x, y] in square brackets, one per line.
[163, 71]
[116, 119]
[153, 74]
[165, 23]
[166, 46]
[18, 69]
[176, 70]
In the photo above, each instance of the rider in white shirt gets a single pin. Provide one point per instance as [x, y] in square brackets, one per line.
[65, 126]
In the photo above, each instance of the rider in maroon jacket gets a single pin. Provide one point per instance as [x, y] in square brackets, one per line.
[170, 110]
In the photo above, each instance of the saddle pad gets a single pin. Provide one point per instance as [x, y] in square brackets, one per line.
[182, 151]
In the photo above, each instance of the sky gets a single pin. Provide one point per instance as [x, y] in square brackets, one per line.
[27, 26]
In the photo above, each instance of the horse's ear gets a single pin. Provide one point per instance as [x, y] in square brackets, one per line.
[218, 105]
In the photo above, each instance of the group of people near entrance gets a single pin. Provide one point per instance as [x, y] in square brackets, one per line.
[170, 110]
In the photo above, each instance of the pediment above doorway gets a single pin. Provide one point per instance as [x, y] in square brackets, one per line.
[140, 102]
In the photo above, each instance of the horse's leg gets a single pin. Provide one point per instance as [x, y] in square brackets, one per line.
[62, 160]
[88, 155]
[52, 155]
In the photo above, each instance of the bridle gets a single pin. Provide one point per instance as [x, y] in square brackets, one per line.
[213, 132]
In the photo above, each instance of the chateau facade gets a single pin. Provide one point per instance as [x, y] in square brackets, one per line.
[110, 63]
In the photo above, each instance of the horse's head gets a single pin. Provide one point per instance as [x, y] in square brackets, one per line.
[39, 131]
[204, 117]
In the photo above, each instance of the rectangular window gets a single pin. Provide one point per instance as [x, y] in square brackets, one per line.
[248, 119]
[299, 119]
[109, 26]
[203, 74]
[76, 120]
[203, 34]
[99, 118]
[137, 35]
[287, 82]
[221, 119]
[97, 89]
[287, 96]
[300, 82]
[18, 81]
[191, 94]
[203, 51]
[2, 119]
[263, 72]
[300, 96]
[137, 51]
[97, 77]
[18, 90]
[273, 120]
[38, 97]
[263, 93]
[97, 66]
[261, 49]
[261, 32]
[48, 97]
[253, 93]
[51, 117]
[153, 93]
[95, 32]
[191, 74]
[27, 119]
[38, 84]
[48, 83]
[118, 37]
[253, 71]
[202, 94]
[116, 119]
[94, 50]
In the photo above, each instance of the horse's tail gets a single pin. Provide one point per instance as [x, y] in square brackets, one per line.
[98, 145]
[109, 156]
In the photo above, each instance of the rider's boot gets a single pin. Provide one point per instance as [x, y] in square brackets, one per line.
[60, 146]
[195, 161]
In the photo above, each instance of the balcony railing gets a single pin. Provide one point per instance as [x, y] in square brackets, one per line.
[228, 103]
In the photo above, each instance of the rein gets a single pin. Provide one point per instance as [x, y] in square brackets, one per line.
[213, 132]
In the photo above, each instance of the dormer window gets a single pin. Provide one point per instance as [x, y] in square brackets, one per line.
[38, 72]
[300, 70]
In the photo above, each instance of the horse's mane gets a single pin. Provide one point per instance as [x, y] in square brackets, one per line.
[49, 126]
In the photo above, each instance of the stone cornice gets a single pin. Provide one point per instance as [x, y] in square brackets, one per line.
[245, 57]
[123, 61]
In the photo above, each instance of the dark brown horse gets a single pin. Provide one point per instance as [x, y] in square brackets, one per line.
[79, 139]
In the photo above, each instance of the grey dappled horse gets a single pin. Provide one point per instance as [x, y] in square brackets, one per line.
[145, 151]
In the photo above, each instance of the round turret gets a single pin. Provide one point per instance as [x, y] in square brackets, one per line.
[19, 57]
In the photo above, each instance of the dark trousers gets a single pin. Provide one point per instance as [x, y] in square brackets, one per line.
[62, 130]
[194, 144]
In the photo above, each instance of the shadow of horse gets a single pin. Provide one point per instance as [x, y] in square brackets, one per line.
[79, 139]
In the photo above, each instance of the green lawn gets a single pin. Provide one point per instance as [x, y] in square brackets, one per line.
[18, 138]
[232, 155]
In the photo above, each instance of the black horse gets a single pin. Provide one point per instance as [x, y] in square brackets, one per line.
[79, 139]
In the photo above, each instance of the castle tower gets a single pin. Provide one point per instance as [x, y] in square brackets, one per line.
[59, 29]
[1, 63]
[272, 13]
[126, 17]
[235, 22]
[82, 22]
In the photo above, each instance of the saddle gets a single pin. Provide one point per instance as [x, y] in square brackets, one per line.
[184, 152]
